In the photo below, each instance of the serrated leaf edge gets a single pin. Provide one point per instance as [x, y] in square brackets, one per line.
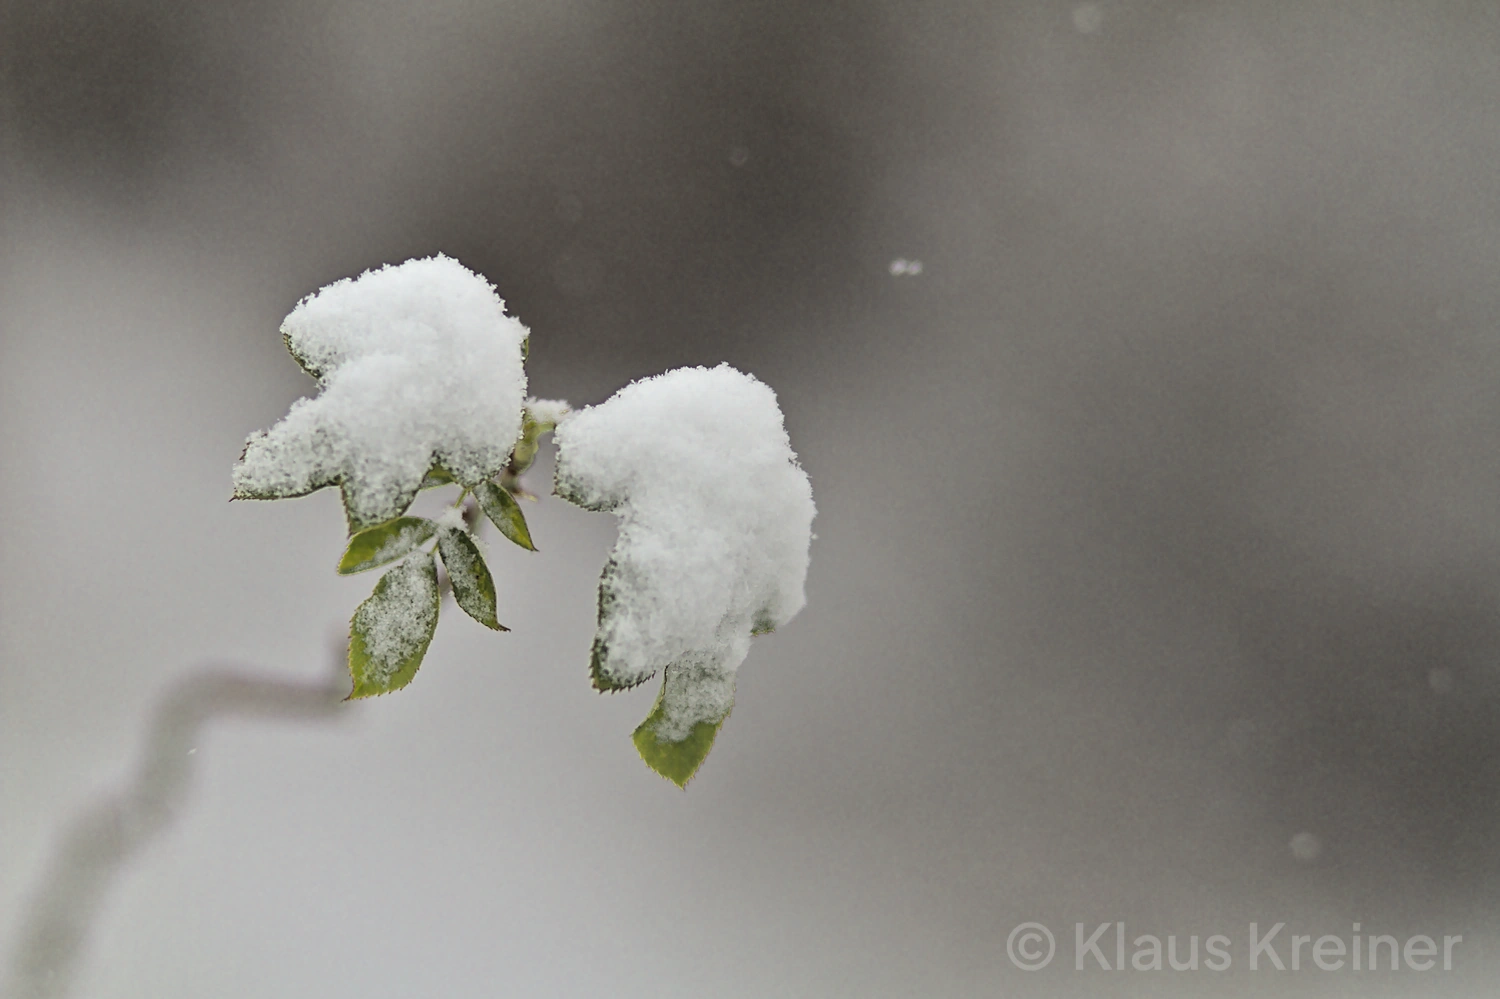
[646, 741]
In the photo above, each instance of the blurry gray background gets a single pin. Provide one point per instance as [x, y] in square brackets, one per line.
[1159, 515]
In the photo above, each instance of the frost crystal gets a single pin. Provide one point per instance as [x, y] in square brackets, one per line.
[715, 526]
[416, 364]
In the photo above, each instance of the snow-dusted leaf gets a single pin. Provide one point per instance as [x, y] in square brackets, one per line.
[715, 519]
[275, 454]
[415, 364]
[526, 448]
[504, 512]
[675, 738]
[377, 546]
[473, 586]
[391, 630]
[599, 654]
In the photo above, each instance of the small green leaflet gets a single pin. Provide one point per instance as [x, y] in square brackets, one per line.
[504, 512]
[676, 761]
[391, 630]
[524, 454]
[675, 738]
[437, 475]
[473, 587]
[377, 546]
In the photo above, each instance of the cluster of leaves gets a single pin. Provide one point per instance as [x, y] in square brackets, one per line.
[320, 444]
[390, 632]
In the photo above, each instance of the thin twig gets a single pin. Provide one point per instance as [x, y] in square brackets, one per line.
[105, 833]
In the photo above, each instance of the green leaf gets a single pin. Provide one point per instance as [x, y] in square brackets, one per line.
[391, 630]
[385, 543]
[676, 737]
[437, 475]
[676, 761]
[473, 586]
[524, 453]
[501, 507]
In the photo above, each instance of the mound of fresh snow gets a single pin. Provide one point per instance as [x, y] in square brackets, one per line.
[715, 528]
[416, 363]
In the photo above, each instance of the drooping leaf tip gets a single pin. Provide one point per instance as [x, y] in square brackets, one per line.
[679, 761]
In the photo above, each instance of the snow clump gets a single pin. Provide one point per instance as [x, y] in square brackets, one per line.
[715, 529]
[416, 363]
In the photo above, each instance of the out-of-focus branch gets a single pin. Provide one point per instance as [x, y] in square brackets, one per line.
[108, 831]
[95, 845]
